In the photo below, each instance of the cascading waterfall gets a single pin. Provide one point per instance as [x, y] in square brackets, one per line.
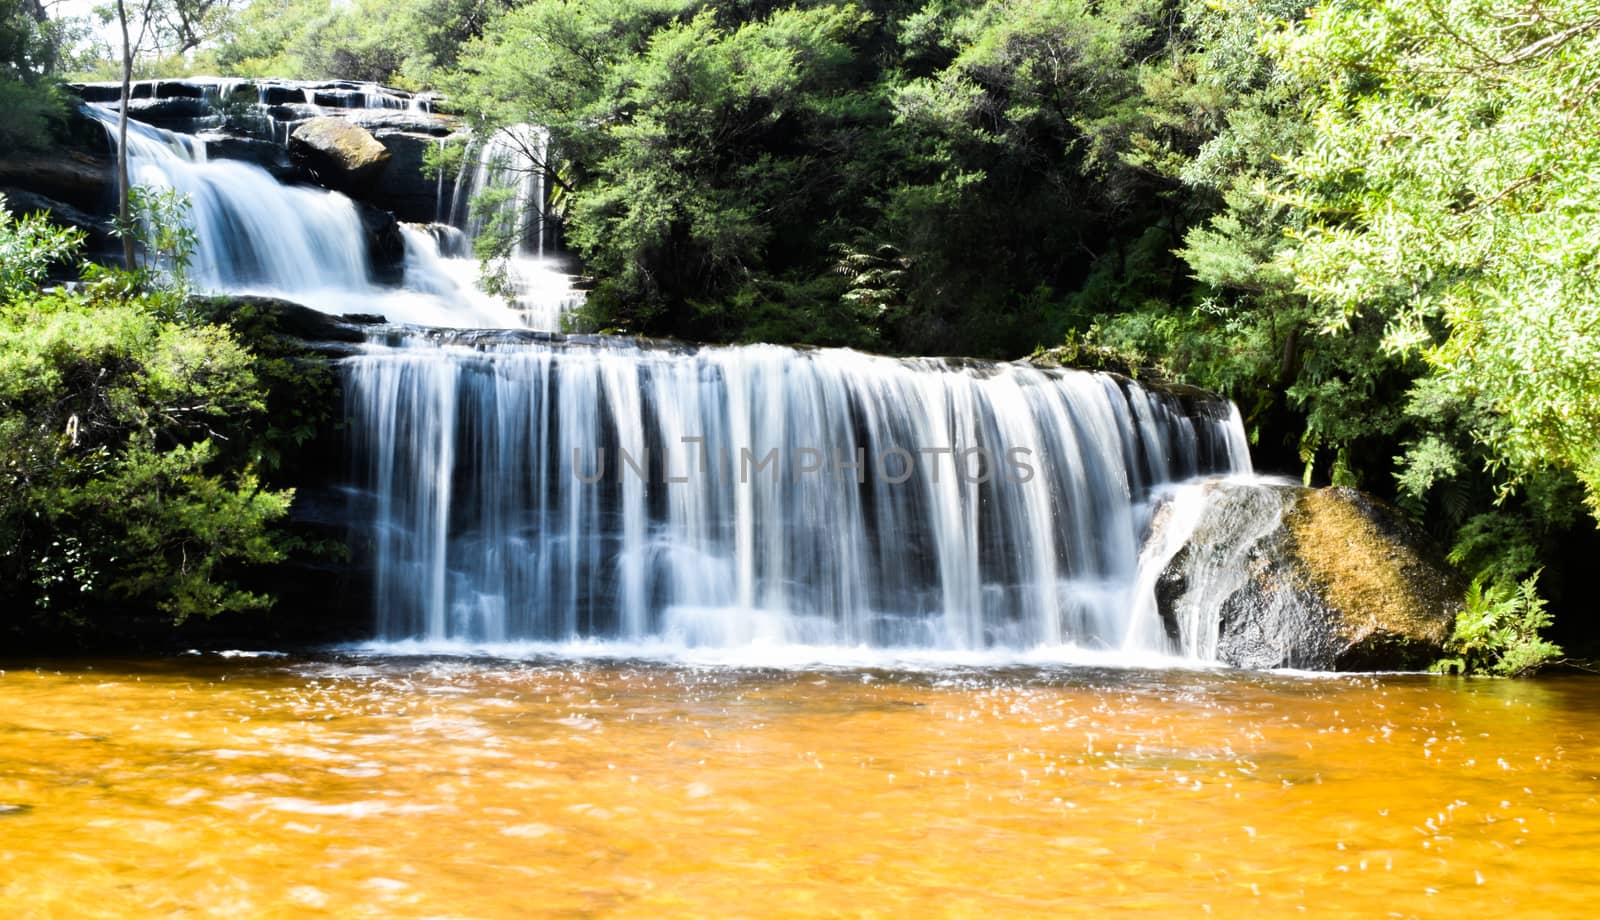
[257, 235]
[554, 489]
[254, 234]
[511, 160]
[526, 487]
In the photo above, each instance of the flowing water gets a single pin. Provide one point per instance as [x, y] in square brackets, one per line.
[549, 489]
[256, 235]
[350, 787]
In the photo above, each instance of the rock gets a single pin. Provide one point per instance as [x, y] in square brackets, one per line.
[170, 111]
[404, 188]
[75, 177]
[97, 92]
[98, 229]
[287, 318]
[386, 246]
[265, 154]
[179, 89]
[293, 111]
[338, 154]
[282, 95]
[1324, 579]
[402, 120]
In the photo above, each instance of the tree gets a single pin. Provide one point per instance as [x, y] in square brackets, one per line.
[1452, 188]
[127, 476]
[130, 48]
[30, 47]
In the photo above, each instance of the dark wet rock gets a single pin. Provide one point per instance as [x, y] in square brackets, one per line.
[338, 154]
[97, 228]
[84, 133]
[179, 89]
[265, 154]
[72, 176]
[402, 120]
[404, 187]
[285, 318]
[97, 92]
[386, 247]
[1321, 579]
[174, 110]
[294, 112]
[282, 95]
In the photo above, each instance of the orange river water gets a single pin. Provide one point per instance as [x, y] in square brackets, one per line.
[350, 786]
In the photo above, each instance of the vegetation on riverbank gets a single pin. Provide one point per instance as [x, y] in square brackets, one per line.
[1372, 224]
[132, 433]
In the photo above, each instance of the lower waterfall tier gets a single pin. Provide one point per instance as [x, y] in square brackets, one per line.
[558, 489]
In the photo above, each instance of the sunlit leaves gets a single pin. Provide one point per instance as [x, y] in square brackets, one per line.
[1455, 185]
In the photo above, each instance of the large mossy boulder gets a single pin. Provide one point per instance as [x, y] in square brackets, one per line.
[1320, 579]
[338, 154]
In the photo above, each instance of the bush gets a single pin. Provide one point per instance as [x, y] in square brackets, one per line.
[120, 483]
[1498, 632]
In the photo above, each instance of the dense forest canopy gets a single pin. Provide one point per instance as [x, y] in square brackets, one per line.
[1371, 223]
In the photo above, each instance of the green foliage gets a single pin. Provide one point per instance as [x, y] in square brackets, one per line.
[29, 247]
[30, 104]
[1498, 632]
[120, 485]
[164, 241]
[1452, 184]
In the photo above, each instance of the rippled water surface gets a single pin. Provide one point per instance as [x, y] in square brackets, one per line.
[360, 786]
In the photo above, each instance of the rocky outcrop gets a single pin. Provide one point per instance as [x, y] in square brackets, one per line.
[293, 326]
[97, 229]
[257, 121]
[265, 154]
[1324, 579]
[338, 154]
[386, 246]
[76, 177]
[404, 187]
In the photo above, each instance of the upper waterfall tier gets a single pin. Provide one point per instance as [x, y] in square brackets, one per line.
[256, 234]
[556, 489]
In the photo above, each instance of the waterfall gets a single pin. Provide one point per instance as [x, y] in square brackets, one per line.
[509, 165]
[254, 234]
[258, 235]
[548, 489]
[511, 161]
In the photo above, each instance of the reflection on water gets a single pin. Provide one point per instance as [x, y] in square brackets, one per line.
[363, 786]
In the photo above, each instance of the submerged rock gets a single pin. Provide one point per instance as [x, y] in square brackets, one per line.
[338, 154]
[1321, 579]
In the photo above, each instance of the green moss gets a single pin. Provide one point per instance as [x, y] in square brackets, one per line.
[1379, 582]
